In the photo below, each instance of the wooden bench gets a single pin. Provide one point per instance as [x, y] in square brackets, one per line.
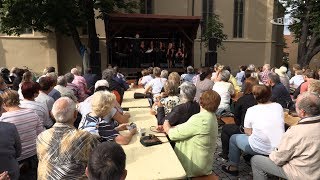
[208, 177]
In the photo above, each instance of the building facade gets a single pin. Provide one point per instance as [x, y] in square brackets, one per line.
[251, 36]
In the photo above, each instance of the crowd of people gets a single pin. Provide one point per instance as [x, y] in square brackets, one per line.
[67, 126]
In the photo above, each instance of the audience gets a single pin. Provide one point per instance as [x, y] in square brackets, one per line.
[74, 88]
[196, 138]
[240, 75]
[30, 91]
[297, 156]
[279, 93]
[90, 78]
[45, 89]
[107, 162]
[233, 80]
[114, 86]
[204, 83]
[263, 127]
[10, 149]
[314, 87]
[266, 70]
[146, 78]
[63, 151]
[308, 76]
[55, 94]
[81, 83]
[3, 85]
[225, 90]
[297, 80]
[189, 75]
[175, 77]
[29, 126]
[241, 106]
[62, 88]
[156, 84]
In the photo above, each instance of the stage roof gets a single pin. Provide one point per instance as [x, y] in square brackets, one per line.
[151, 26]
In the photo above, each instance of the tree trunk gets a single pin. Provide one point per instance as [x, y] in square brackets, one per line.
[76, 38]
[93, 41]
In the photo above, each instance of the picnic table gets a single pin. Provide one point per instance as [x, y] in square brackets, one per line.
[153, 162]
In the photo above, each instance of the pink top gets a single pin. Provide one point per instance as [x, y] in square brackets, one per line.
[80, 82]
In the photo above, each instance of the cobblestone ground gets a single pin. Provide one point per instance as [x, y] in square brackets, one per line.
[244, 168]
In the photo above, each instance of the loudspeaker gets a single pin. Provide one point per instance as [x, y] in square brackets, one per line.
[212, 45]
[211, 58]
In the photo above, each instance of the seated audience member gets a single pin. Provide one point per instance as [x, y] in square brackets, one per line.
[266, 70]
[164, 74]
[171, 100]
[107, 162]
[156, 84]
[45, 89]
[241, 106]
[189, 75]
[5, 75]
[29, 126]
[240, 75]
[263, 127]
[196, 78]
[308, 76]
[27, 77]
[217, 69]
[62, 88]
[204, 83]
[196, 138]
[30, 91]
[247, 74]
[279, 93]
[90, 78]
[314, 87]
[284, 79]
[296, 80]
[225, 90]
[108, 74]
[116, 113]
[55, 94]
[74, 88]
[298, 155]
[3, 85]
[175, 77]
[102, 103]
[118, 73]
[17, 74]
[233, 80]
[63, 151]
[10, 148]
[117, 76]
[81, 83]
[182, 112]
[146, 77]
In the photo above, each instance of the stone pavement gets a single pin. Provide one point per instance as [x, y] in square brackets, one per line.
[245, 172]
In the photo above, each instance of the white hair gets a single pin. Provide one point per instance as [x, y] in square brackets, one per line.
[63, 110]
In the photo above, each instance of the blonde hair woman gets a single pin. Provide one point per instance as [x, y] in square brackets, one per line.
[102, 102]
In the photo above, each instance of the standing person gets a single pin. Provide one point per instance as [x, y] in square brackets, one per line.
[63, 151]
[10, 149]
[298, 155]
[29, 126]
[196, 138]
[262, 134]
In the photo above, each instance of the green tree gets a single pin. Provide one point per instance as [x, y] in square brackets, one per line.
[307, 31]
[214, 29]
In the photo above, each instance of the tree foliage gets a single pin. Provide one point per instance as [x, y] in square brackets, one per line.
[214, 29]
[307, 31]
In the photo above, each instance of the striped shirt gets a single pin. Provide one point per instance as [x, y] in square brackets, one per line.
[40, 109]
[29, 126]
[63, 152]
[105, 129]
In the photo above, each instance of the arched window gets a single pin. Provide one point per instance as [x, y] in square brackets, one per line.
[238, 16]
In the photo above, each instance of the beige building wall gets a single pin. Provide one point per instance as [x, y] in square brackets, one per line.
[35, 51]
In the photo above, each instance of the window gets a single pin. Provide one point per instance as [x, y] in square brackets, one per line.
[207, 12]
[238, 24]
[146, 7]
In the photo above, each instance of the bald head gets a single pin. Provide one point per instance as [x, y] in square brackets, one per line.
[64, 110]
[75, 71]
[308, 104]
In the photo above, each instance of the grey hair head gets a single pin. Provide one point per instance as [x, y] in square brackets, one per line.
[190, 70]
[107, 74]
[69, 77]
[274, 78]
[224, 75]
[62, 81]
[164, 74]
[188, 91]
[63, 110]
[310, 103]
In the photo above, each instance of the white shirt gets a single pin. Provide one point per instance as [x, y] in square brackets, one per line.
[85, 107]
[45, 99]
[156, 85]
[146, 79]
[296, 81]
[239, 77]
[40, 109]
[267, 123]
[225, 90]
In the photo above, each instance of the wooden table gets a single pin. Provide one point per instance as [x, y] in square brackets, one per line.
[155, 162]
[290, 120]
[130, 102]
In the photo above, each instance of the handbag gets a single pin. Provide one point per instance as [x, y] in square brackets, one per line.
[150, 140]
[141, 95]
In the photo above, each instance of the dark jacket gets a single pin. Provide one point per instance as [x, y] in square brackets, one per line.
[10, 149]
[281, 95]
[241, 106]
[179, 114]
